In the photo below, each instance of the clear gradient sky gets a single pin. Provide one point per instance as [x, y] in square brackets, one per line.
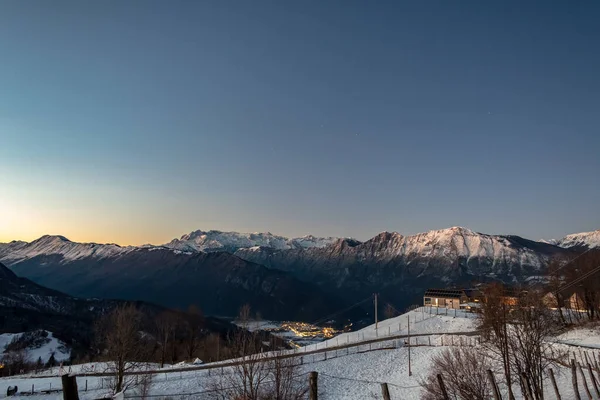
[138, 121]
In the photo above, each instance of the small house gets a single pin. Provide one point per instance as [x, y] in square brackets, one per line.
[571, 299]
[452, 298]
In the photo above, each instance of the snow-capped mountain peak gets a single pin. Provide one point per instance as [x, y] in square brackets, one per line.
[214, 240]
[56, 245]
[582, 240]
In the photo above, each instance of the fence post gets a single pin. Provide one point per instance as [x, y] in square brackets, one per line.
[556, 392]
[69, 384]
[586, 357]
[385, 391]
[495, 389]
[585, 384]
[312, 382]
[574, 380]
[594, 383]
[442, 387]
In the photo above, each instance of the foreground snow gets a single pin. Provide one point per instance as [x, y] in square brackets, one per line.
[346, 373]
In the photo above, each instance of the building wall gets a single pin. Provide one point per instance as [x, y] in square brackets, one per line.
[441, 302]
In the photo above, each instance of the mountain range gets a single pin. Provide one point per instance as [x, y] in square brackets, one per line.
[217, 282]
[291, 278]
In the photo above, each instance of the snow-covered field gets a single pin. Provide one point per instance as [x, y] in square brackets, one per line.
[347, 373]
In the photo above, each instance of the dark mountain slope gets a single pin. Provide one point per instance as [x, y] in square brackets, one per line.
[402, 267]
[219, 283]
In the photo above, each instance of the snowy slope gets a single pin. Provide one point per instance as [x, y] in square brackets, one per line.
[584, 239]
[423, 321]
[51, 345]
[232, 241]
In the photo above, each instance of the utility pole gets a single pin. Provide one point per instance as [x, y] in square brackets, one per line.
[376, 322]
[313, 388]
[409, 370]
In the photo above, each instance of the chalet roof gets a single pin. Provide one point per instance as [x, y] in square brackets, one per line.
[473, 292]
[452, 293]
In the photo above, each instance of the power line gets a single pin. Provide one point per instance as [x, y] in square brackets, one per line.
[341, 311]
[570, 261]
[577, 280]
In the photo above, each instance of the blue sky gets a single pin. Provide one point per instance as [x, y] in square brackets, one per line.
[136, 122]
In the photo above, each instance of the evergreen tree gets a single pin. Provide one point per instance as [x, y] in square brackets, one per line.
[51, 361]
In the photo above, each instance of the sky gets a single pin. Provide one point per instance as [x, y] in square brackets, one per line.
[135, 122]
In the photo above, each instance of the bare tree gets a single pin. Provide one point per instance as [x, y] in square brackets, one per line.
[588, 290]
[212, 347]
[143, 385]
[555, 297]
[247, 377]
[194, 325]
[123, 345]
[283, 375]
[533, 323]
[165, 330]
[493, 325]
[464, 371]
[15, 361]
[244, 316]
[251, 372]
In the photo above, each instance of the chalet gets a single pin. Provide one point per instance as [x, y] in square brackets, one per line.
[452, 298]
[572, 299]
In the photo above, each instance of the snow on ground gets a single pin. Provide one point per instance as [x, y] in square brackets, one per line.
[51, 345]
[344, 374]
[583, 336]
[423, 320]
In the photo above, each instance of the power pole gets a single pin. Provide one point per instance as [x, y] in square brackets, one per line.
[409, 370]
[313, 389]
[376, 322]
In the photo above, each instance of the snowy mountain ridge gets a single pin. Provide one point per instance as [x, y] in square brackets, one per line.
[583, 239]
[214, 240]
[446, 243]
[16, 251]
[451, 243]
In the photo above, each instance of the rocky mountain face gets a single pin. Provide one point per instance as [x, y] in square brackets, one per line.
[219, 283]
[402, 267]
